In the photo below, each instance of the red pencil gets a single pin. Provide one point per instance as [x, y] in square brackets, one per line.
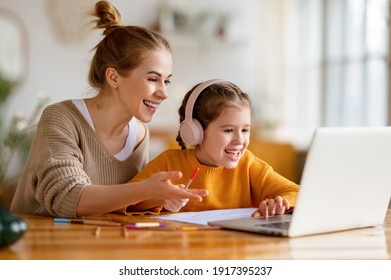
[192, 177]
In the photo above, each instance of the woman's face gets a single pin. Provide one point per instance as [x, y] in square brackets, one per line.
[226, 138]
[145, 87]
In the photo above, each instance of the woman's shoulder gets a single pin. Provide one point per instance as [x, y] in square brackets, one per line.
[65, 106]
[62, 114]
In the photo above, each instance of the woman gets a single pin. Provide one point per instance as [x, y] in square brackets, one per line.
[84, 151]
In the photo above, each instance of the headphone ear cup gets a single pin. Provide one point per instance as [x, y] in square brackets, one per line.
[190, 129]
[191, 132]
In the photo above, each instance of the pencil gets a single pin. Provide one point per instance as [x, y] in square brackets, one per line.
[125, 232]
[144, 225]
[97, 231]
[188, 228]
[192, 177]
[86, 222]
[194, 228]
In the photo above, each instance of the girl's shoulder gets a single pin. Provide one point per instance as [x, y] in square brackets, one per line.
[174, 156]
[177, 153]
[250, 158]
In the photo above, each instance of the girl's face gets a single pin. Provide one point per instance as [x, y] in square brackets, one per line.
[145, 87]
[226, 138]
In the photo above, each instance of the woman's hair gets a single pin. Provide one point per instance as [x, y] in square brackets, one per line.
[211, 102]
[123, 47]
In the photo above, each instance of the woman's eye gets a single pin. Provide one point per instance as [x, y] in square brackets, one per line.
[167, 82]
[152, 80]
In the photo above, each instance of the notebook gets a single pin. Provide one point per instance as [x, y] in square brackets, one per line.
[346, 184]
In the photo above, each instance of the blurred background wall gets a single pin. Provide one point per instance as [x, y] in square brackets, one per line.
[305, 63]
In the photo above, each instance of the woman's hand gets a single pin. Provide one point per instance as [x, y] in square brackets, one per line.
[159, 186]
[276, 206]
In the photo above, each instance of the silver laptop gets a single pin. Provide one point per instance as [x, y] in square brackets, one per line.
[346, 184]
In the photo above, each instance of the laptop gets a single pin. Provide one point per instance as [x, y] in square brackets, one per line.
[346, 184]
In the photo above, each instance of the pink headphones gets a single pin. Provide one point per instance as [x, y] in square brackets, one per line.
[190, 129]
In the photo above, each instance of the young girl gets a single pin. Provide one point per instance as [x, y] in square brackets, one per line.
[215, 118]
[85, 151]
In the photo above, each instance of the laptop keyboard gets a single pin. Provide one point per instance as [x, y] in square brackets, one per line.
[278, 225]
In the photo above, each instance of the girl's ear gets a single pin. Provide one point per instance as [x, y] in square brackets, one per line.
[112, 77]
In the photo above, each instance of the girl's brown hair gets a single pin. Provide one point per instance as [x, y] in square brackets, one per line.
[211, 102]
[123, 47]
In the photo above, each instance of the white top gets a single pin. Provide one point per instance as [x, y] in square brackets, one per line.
[130, 141]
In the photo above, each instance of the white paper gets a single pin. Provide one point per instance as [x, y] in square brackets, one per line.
[203, 217]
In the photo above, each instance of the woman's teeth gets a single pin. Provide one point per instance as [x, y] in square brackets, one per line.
[150, 104]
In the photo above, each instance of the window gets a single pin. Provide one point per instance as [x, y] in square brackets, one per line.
[323, 63]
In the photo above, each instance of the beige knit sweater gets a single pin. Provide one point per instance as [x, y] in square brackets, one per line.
[66, 155]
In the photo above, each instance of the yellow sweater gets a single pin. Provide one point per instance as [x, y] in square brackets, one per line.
[252, 181]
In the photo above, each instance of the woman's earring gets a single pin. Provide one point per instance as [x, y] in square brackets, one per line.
[115, 86]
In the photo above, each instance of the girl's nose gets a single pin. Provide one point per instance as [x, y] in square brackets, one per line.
[239, 137]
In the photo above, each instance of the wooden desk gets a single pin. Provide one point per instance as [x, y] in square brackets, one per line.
[48, 240]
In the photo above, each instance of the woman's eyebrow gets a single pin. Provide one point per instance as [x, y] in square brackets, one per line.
[159, 74]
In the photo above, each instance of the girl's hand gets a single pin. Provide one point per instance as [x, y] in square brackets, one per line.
[174, 205]
[276, 206]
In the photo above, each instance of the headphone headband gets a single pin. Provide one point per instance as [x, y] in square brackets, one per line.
[195, 93]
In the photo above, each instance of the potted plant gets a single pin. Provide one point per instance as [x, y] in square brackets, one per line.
[15, 140]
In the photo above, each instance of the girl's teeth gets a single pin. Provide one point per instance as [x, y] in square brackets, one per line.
[234, 153]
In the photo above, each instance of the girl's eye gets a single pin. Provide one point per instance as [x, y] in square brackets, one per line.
[167, 82]
[152, 80]
[246, 130]
[228, 130]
